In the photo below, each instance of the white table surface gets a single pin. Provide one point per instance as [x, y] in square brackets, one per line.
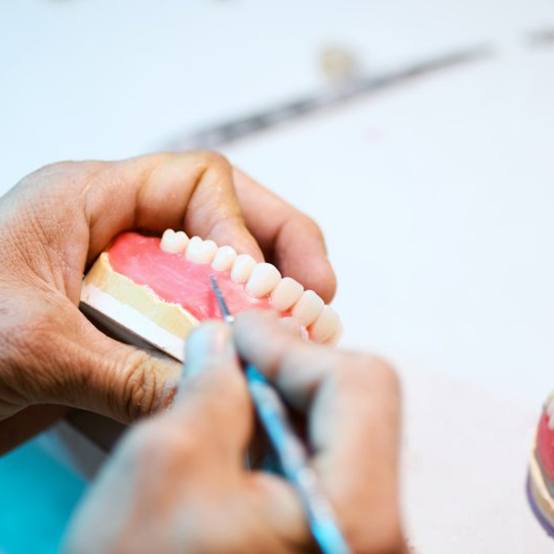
[435, 196]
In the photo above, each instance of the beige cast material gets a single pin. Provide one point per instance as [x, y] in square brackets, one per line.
[136, 308]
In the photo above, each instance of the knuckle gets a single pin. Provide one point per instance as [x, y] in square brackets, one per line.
[55, 180]
[213, 159]
[56, 167]
[358, 376]
[139, 392]
[66, 168]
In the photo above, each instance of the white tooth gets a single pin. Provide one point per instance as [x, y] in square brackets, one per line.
[181, 240]
[286, 294]
[201, 251]
[210, 250]
[263, 279]
[174, 242]
[167, 242]
[194, 248]
[242, 268]
[224, 258]
[308, 308]
[326, 326]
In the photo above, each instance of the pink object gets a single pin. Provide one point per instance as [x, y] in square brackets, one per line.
[545, 447]
[175, 279]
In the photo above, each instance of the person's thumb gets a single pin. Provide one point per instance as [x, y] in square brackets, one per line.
[70, 362]
[212, 403]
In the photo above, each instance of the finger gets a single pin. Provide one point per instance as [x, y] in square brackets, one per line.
[261, 339]
[313, 376]
[178, 460]
[92, 371]
[289, 237]
[213, 400]
[193, 189]
[352, 406]
[277, 504]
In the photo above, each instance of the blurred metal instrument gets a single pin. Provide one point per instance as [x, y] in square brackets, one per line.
[290, 451]
[240, 127]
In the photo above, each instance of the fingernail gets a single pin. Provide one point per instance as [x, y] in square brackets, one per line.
[208, 346]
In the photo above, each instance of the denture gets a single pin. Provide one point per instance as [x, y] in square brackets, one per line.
[157, 290]
[541, 469]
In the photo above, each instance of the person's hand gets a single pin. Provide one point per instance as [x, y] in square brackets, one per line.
[56, 221]
[178, 483]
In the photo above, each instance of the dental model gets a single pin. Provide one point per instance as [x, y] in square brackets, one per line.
[147, 290]
[541, 469]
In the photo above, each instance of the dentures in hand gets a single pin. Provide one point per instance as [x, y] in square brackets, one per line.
[159, 289]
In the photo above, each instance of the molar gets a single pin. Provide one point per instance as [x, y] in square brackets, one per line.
[174, 242]
[201, 251]
[263, 279]
[308, 308]
[224, 258]
[326, 327]
[286, 294]
[242, 268]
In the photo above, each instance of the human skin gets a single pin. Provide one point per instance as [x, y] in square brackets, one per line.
[177, 483]
[56, 221]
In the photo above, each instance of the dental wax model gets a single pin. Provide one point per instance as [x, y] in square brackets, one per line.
[541, 469]
[147, 290]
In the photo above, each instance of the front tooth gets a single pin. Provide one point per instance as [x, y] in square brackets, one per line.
[224, 258]
[308, 308]
[263, 279]
[286, 294]
[326, 326]
[201, 251]
[242, 268]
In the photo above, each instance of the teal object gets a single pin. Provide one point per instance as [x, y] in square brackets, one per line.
[37, 497]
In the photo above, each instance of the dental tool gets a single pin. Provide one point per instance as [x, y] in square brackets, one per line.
[290, 451]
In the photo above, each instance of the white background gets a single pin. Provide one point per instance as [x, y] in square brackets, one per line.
[435, 195]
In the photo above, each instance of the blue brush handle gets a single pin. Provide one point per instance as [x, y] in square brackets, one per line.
[294, 461]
